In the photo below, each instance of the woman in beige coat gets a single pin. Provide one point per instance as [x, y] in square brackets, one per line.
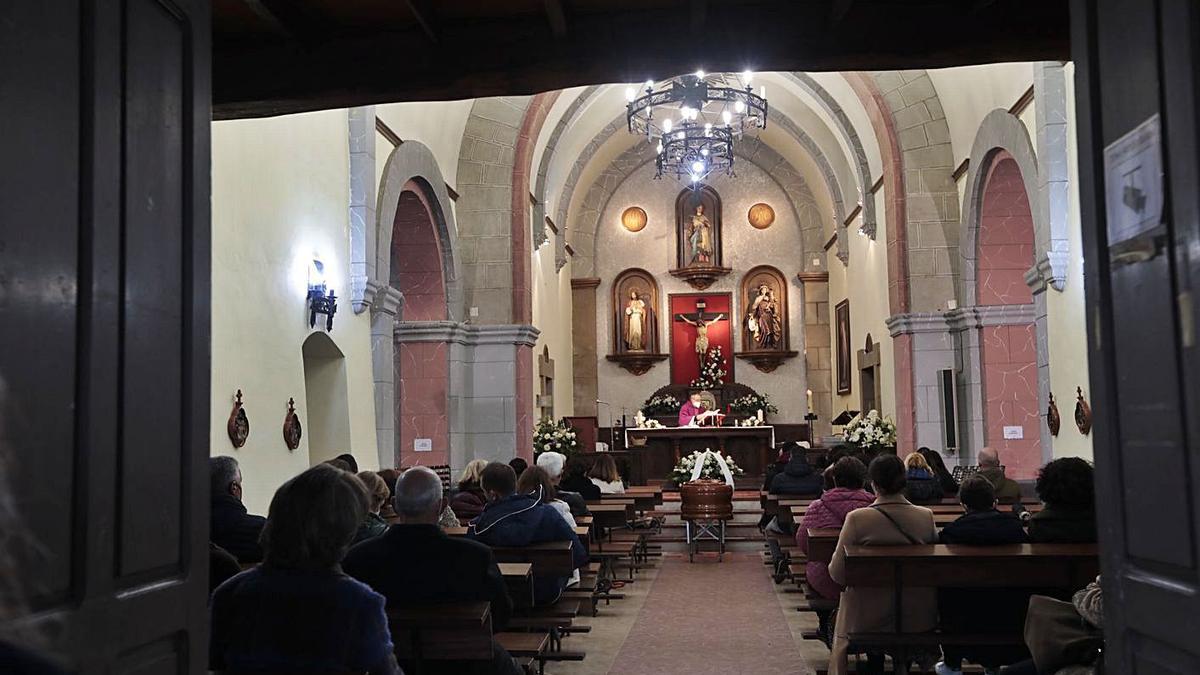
[890, 521]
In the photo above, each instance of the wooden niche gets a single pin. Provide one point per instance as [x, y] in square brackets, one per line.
[634, 314]
[764, 319]
[698, 237]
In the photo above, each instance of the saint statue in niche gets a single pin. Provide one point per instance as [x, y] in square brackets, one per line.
[635, 322]
[700, 239]
[762, 319]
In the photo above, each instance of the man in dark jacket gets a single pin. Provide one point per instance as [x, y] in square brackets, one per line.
[231, 527]
[415, 563]
[512, 519]
[1007, 490]
[980, 610]
[798, 477]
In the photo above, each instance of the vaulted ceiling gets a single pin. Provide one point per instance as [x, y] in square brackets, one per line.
[274, 57]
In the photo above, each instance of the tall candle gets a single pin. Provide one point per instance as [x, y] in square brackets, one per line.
[809, 392]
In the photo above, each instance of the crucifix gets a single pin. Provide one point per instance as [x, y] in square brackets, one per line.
[701, 320]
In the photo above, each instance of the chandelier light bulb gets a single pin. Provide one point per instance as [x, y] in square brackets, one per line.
[762, 91]
[739, 106]
[699, 74]
[697, 167]
[660, 147]
[650, 85]
[704, 151]
[667, 125]
[726, 117]
[695, 178]
[747, 77]
[630, 94]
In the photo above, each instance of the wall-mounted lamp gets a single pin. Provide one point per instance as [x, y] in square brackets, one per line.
[321, 299]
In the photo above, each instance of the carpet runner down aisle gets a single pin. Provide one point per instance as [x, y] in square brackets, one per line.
[710, 617]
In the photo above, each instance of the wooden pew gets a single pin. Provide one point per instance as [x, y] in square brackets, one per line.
[459, 631]
[901, 568]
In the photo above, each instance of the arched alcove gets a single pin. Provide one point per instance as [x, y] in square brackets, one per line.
[328, 402]
[421, 367]
[1008, 337]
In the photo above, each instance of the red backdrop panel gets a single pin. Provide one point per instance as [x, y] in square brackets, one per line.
[685, 367]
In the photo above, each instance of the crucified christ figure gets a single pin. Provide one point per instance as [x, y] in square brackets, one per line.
[701, 335]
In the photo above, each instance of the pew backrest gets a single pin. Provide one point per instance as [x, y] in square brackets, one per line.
[453, 631]
[1068, 566]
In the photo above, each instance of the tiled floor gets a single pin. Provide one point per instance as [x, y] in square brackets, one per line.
[702, 617]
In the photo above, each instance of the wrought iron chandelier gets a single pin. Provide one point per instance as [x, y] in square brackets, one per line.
[694, 123]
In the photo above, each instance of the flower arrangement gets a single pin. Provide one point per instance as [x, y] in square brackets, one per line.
[559, 436]
[663, 404]
[871, 430]
[713, 372]
[750, 404]
[682, 472]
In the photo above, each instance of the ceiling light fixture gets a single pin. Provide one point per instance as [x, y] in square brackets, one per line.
[693, 123]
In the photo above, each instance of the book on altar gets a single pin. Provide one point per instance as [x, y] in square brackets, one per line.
[708, 418]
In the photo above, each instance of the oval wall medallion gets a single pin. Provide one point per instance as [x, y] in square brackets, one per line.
[238, 426]
[634, 219]
[291, 426]
[761, 216]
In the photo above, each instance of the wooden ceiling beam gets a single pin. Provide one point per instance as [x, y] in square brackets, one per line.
[557, 16]
[422, 11]
[515, 56]
[283, 18]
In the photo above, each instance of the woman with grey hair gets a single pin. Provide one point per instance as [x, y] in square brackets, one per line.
[298, 612]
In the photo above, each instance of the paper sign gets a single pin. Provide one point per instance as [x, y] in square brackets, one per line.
[1014, 433]
[422, 445]
[1133, 182]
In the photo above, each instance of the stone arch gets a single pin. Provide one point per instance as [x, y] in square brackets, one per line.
[411, 188]
[421, 368]
[1000, 132]
[596, 198]
[781, 172]
[412, 167]
[1004, 334]
[922, 215]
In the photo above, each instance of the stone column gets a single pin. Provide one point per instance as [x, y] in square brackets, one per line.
[584, 347]
[362, 206]
[818, 348]
[385, 308]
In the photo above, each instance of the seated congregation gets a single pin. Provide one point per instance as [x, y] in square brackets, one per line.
[898, 559]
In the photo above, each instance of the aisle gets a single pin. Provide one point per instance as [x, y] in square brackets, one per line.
[710, 617]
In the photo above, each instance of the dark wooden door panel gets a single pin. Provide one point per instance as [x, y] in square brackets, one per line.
[104, 282]
[39, 256]
[152, 372]
[1135, 60]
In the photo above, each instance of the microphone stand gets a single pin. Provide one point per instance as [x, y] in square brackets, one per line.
[611, 432]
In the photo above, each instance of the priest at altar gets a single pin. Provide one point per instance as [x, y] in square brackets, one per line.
[692, 413]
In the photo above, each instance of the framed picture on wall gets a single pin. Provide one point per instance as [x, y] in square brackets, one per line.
[842, 323]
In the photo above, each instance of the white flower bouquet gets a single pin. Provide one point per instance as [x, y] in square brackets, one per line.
[871, 430]
[559, 436]
[682, 472]
[713, 372]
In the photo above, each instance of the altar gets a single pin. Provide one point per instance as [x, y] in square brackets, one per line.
[655, 452]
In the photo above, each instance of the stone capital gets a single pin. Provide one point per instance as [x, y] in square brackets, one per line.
[383, 299]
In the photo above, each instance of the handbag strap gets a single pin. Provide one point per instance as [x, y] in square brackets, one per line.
[911, 539]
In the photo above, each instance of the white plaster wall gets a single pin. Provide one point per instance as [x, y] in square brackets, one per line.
[1066, 312]
[280, 194]
[552, 316]
[437, 124]
[744, 247]
[969, 93]
[865, 282]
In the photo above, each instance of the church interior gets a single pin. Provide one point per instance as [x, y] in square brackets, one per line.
[818, 331]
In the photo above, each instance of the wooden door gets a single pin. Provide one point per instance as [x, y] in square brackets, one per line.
[1136, 60]
[104, 298]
